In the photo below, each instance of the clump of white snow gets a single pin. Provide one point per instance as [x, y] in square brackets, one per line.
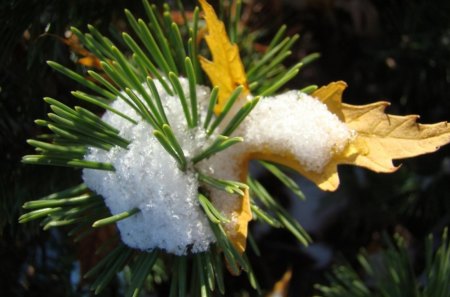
[298, 124]
[148, 178]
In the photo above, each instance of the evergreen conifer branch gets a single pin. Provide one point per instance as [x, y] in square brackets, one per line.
[282, 216]
[140, 269]
[393, 275]
[160, 51]
[285, 179]
[232, 187]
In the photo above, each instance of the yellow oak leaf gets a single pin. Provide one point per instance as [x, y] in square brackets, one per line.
[226, 69]
[331, 96]
[383, 137]
[379, 138]
[281, 287]
[89, 59]
[327, 180]
[244, 215]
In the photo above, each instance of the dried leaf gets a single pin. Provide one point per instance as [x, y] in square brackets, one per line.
[177, 16]
[383, 137]
[380, 138]
[89, 59]
[244, 215]
[226, 69]
[331, 96]
[327, 180]
[281, 287]
[75, 45]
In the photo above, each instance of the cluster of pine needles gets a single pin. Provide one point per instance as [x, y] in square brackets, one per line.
[161, 50]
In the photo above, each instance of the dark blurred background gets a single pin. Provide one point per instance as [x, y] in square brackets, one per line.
[395, 50]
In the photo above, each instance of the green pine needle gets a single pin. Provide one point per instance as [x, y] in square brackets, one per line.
[276, 39]
[46, 203]
[178, 46]
[81, 80]
[180, 93]
[309, 89]
[268, 56]
[115, 218]
[226, 109]
[175, 144]
[37, 214]
[172, 148]
[282, 80]
[240, 116]
[78, 150]
[212, 103]
[213, 214]
[217, 263]
[64, 162]
[192, 90]
[110, 271]
[286, 180]
[282, 215]
[140, 271]
[228, 186]
[97, 101]
[154, 92]
[221, 143]
[258, 213]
